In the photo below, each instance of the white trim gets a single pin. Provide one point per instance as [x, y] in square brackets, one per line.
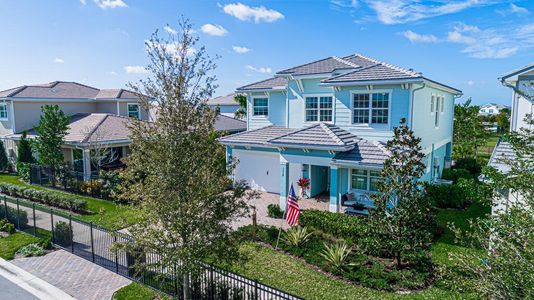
[370, 109]
[318, 96]
[118, 108]
[12, 112]
[138, 109]
[307, 160]
[368, 175]
[268, 97]
[4, 104]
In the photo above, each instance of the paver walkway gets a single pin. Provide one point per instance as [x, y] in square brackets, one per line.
[76, 276]
[267, 198]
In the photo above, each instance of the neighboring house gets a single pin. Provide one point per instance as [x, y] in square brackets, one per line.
[226, 104]
[521, 81]
[328, 121]
[98, 117]
[491, 109]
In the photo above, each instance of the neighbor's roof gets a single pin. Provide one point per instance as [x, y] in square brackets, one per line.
[223, 100]
[268, 84]
[319, 135]
[226, 123]
[518, 71]
[503, 151]
[351, 69]
[66, 90]
[364, 153]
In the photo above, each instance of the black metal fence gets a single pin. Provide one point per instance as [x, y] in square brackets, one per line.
[94, 243]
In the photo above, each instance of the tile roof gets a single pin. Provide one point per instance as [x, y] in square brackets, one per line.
[373, 73]
[65, 90]
[317, 136]
[503, 151]
[259, 136]
[364, 153]
[267, 84]
[326, 65]
[226, 123]
[223, 100]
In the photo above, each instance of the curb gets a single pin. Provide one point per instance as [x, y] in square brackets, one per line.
[34, 285]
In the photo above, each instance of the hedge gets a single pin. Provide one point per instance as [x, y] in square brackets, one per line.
[336, 224]
[43, 196]
[12, 216]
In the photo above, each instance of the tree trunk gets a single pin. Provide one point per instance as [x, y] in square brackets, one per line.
[398, 258]
[185, 286]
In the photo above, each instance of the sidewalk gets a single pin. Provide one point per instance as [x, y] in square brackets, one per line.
[29, 284]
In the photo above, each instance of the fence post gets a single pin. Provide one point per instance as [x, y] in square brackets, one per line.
[116, 254]
[71, 233]
[256, 289]
[18, 215]
[34, 221]
[92, 242]
[52, 224]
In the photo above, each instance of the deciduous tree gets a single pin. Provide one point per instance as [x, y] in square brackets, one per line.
[469, 132]
[53, 126]
[241, 112]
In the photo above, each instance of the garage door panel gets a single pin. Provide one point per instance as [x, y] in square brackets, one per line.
[259, 169]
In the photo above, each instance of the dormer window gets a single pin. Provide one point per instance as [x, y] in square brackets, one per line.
[3, 112]
[319, 108]
[134, 111]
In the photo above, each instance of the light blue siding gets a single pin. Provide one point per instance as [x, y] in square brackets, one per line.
[276, 114]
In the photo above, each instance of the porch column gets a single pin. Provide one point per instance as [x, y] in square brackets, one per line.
[86, 164]
[334, 197]
[284, 182]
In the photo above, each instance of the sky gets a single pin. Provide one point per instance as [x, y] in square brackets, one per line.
[466, 44]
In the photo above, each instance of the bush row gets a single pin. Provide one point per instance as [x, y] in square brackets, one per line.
[459, 195]
[339, 225]
[12, 216]
[43, 196]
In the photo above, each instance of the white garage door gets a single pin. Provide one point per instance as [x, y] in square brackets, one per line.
[260, 169]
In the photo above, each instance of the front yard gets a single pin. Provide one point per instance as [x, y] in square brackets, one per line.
[11, 244]
[103, 212]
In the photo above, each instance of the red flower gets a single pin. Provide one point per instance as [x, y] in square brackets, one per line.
[303, 183]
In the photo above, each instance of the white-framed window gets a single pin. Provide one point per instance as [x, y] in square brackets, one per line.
[318, 108]
[365, 180]
[3, 112]
[260, 106]
[370, 108]
[436, 108]
[134, 111]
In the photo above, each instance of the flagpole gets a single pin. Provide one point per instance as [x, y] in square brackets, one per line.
[282, 223]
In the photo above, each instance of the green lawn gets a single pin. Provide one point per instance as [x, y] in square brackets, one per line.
[136, 291]
[105, 213]
[11, 244]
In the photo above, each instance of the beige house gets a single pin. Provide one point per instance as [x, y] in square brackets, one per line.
[99, 118]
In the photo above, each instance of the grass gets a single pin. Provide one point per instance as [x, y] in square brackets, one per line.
[11, 244]
[136, 291]
[103, 212]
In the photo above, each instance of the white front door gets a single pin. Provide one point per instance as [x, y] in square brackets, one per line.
[260, 169]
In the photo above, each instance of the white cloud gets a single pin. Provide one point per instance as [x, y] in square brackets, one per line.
[405, 11]
[214, 29]
[470, 83]
[105, 4]
[136, 70]
[170, 30]
[112, 73]
[173, 48]
[59, 60]
[513, 10]
[420, 38]
[240, 50]
[259, 70]
[83, 2]
[258, 14]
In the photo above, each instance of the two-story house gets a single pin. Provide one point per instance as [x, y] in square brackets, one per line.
[328, 121]
[491, 109]
[98, 117]
[521, 81]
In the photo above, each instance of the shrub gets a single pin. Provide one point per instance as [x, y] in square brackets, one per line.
[339, 225]
[111, 181]
[91, 187]
[23, 169]
[5, 226]
[62, 234]
[469, 164]
[455, 174]
[31, 250]
[12, 216]
[447, 196]
[274, 211]
[297, 236]
[45, 243]
[43, 196]
[336, 254]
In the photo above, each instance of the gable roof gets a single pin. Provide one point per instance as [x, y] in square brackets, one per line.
[364, 153]
[321, 135]
[325, 65]
[66, 90]
[274, 83]
[226, 123]
[256, 137]
[227, 100]
[374, 73]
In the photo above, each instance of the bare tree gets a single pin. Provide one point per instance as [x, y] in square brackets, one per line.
[101, 153]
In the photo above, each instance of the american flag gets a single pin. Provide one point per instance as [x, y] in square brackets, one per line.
[293, 212]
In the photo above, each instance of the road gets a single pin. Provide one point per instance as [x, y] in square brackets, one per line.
[9, 290]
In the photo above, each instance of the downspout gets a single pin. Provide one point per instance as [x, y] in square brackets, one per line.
[412, 102]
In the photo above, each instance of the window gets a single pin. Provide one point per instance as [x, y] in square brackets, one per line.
[3, 111]
[370, 108]
[436, 108]
[359, 179]
[319, 109]
[365, 180]
[133, 111]
[260, 106]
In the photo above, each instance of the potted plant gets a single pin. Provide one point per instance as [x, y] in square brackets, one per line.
[304, 184]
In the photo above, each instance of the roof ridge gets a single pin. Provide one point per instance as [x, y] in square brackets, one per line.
[331, 133]
[407, 71]
[351, 72]
[315, 61]
[17, 90]
[294, 131]
[90, 134]
[346, 62]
